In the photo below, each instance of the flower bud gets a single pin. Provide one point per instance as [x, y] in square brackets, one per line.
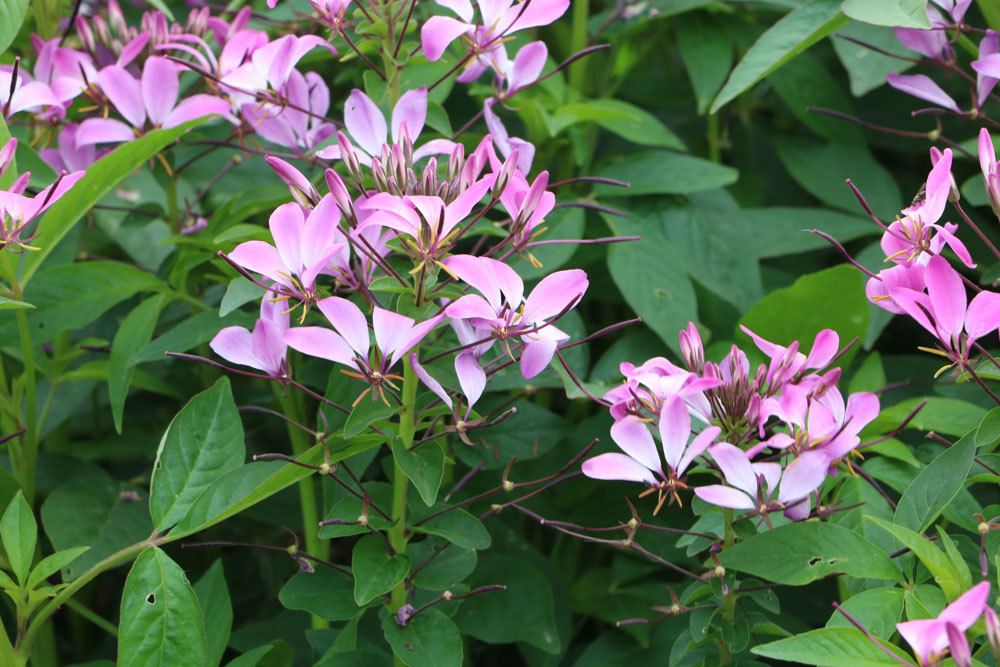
[350, 158]
[7, 154]
[455, 162]
[992, 630]
[959, 646]
[340, 196]
[505, 173]
[116, 18]
[85, 34]
[302, 190]
[692, 348]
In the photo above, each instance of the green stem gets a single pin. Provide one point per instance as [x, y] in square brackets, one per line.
[578, 42]
[712, 136]
[93, 617]
[292, 408]
[400, 483]
[27, 471]
[729, 602]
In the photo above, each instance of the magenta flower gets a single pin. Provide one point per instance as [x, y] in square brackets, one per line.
[929, 637]
[932, 43]
[264, 348]
[153, 98]
[486, 39]
[879, 289]
[923, 87]
[270, 67]
[990, 168]
[303, 247]
[23, 94]
[987, 66]
[650, 384]
[945, 311]
[367, 127]
[752, 485]
[527, 206]
[471, 376]
[503, 310]
[788, 362]
[641, 460]
[349, 344]
[67, 155]
[506, 144]
[300, 125]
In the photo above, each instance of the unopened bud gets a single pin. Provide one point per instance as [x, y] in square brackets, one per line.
[302, 190]
[992, 630]
[85, 34]
[7, 154]
[455, 162]
[504, 176]
[959, 646]
[350, 158]
[719, 571]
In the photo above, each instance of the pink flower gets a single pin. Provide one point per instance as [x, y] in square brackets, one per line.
[932, 43]
[264, 348]
[930, 637]
[503, 310]
[349, 344]
[923, 87]
[987, 66]
[300, 125]
[506, 144]
[367, 127]
[751, 485]
[270, 67]
[788, 362]
[303, 247]
[486, 39]
[641, 461]
[153, 98]
[945, 311]
[527, 205]
[879, 289]
[989, 165]
[67, 155]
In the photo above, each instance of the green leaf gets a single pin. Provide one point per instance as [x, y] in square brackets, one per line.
[947, 416]
[707, 51]
[457, 526]
[525, 612]
[161, 622]
[10, 175]
[878, 609]
[366, 413]
[801, 552]
[238, 292]
[94, 513]
[375, 571]
[936, 486]
[10, 304]
[806, 83]
[202, 443]
[663, 173]
[20, 533]
[892, 13]
[326, 593]
[794, 33]
[250, 484]
[217, 609]
[133, 334]
[53, 563]
[830, 299]
[12, 13]
[430, 639]
[988, 432]
[822, 168]
[424, 466]
[937, 563]
[828, 647]
[781, 231]
[100, 179]
[190, 333]
[626, 120]
[71, 296]
[866, 69]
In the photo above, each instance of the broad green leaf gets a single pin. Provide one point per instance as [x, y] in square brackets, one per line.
[20, 534]
[707, 51]
[10, 175]
[252, 657]
[956, 559]
[800, 552]
[781, 231]
[878, 609]
[947, 416]
[213, 598]
[525, 612]
[202, 443]
[252, 483]
[161, 622]
[870, 376]
[652, 279]
[806, 83]
[239, 291]
[94, 513]
[988, 432]
[626, 120]
[940, 566]
[101, 178]
[133, 334]
[7, 303]
[457, 526]
[794, 33]
[828, 647]
[12, 13]
[375, 571]
[192, 332]
[663, 173]
[52, 564]
[866, 69]
[424, 466]
[822, 168]
[445, 571]
[71, 296]
[430, 639]
[326, 593]
[366, 413]
[830, 299]
[892, 13]
[936, 486]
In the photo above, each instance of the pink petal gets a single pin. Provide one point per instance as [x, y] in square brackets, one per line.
[160, 87]
[124, 92]
[532, 14]
[947, 296]
[554, 294]
[528, 64]
[477, 272]
[410, 111]
[825, 346]
[235, 344]
[463, 204]
[927, 637]
[724, 496]
[413, 336]
[471, 377]
[803, 476]
[735, 467]
[617, 467]
[269, 346]
[471, 306]
[286, 224]
[365, 122]
[633, 437]
[967, 608]
[349, 322]
[321, 342]
[675, 429]
[260, 257]
[391, 330]
[922, 87]
[440, 31]
[915, 304]
[983, 316]
[536, 356]
[463, 8]
[429, 381]
[697, 447]
[196, 106]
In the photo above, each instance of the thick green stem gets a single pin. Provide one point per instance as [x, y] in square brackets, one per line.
[578, 42]
[292, 408]
[26, 473]
[729, 602]
[712, 137]
[400, 483]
